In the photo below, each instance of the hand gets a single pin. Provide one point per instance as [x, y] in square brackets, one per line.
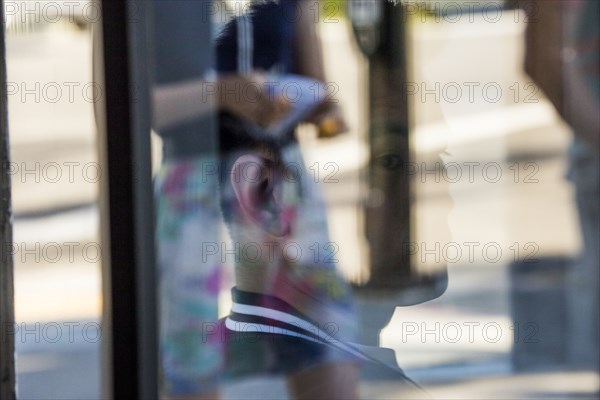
[329, 120]
[247, 97]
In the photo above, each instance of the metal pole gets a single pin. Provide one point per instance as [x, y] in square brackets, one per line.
[388, 223]
[7, 344]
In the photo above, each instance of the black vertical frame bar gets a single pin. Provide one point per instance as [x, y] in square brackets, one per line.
[129, 277]
[7, 344]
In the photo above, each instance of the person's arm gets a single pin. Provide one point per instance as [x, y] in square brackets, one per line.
[179, 102]
[184, 101]
[307, 43]
[309, 62]
[544, 44]
[550, 31]
[582, 108]
[581, 72]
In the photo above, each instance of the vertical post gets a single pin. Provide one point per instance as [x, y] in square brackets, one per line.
[7, 344]
[129, 276]
[388, 223]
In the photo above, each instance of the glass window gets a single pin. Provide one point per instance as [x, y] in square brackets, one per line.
[353, 199]
[370, 199]
[55, 177]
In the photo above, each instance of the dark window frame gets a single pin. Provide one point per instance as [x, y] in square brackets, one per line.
[130, 327]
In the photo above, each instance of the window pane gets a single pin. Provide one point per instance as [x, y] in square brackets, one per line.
[357, 199]
[55, 178]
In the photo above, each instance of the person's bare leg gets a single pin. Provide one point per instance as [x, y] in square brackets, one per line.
[326, 381]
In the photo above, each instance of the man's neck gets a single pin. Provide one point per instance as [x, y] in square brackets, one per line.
[328, 313]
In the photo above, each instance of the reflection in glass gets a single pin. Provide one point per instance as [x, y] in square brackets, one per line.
[276, 281]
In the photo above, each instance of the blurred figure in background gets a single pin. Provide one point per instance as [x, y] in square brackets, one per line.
[186, 97]
[261, 42]
[562, 56]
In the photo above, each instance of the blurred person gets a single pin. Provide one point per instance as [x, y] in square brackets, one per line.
[562, 56]
[186, 204]
[185, 98]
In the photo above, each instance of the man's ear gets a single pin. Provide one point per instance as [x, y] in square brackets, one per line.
[255, 182]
